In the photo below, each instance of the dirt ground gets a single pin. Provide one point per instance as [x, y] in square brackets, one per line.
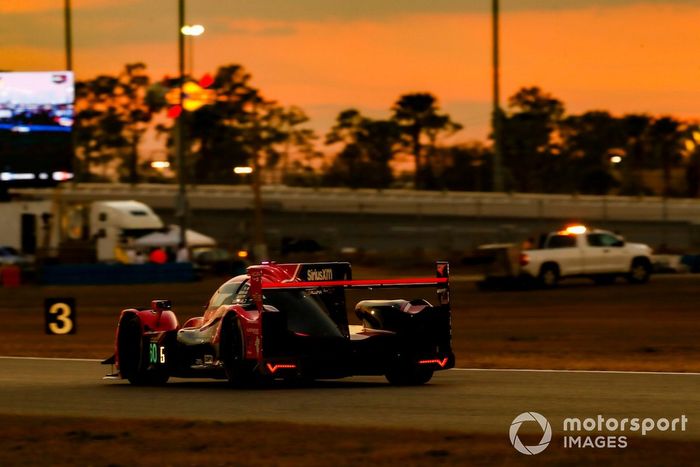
[70, 442]
[577, 326]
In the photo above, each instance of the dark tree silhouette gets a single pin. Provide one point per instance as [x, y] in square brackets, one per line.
[530, 151]
[368, 147]
[466, 167]
[666, 137]
[133, 96]
[635, 128]
[589, 141]
[543, 149]
[112, 114]
[241, 127]
[98, 128]
[421, 123]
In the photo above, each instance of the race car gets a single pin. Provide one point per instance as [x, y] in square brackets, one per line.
[290, 321]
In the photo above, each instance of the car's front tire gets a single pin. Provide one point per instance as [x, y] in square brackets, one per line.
[232, 353]
[132, 360]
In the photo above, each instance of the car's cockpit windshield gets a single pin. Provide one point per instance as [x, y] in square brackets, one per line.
[228, 294]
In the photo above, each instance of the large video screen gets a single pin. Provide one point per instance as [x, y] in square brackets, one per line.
[36, 124]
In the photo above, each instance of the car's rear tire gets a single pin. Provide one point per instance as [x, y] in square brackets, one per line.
[232, 352]
[132, 364]
[409, 375]
[640, 271]
[549, 276]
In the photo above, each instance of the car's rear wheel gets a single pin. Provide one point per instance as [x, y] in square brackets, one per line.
[409, 375]
[640, 271]
[132, 360]
[549, 276]
[232, 351]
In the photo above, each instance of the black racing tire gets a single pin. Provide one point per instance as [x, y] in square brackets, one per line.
[132, 360]
[549, 276]
[232, 353]
[409, 375]
[640, 271]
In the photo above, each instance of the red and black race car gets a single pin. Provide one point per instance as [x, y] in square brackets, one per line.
[290, 321]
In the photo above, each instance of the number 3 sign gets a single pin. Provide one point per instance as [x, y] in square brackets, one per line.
[59, 316]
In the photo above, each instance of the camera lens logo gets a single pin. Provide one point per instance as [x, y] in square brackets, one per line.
[530, 417]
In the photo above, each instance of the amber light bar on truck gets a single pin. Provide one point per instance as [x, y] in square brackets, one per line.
[573, 230]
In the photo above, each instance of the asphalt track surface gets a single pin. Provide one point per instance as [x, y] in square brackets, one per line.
[473, 401]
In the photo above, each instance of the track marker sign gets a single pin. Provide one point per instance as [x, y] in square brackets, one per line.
[60, 316]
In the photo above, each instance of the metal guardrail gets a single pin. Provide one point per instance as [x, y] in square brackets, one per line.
[392, 201]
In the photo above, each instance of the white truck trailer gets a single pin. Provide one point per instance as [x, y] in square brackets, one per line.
[29, 226]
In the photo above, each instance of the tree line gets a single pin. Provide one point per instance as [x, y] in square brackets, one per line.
[543, 149]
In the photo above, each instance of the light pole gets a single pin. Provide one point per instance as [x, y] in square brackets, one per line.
[67, 24]
[181, 205]
[259, 246]
[496, 120]
[191, 31]
[68, 37]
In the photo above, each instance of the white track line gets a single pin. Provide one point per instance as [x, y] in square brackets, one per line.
[6, 357]
[494, 370]
[616, 372]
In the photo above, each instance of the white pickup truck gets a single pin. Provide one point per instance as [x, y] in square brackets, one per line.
[578, 251]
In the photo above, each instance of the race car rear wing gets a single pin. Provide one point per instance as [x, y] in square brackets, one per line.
[258, 282]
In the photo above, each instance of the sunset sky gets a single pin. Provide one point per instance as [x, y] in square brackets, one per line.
[326, 55]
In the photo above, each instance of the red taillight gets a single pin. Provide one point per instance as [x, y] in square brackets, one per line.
[174, 111]
[206, 81]
[435, 361]
[279, 366]
[524, 259]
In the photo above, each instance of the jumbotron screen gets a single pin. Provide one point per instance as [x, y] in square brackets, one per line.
[36, 124]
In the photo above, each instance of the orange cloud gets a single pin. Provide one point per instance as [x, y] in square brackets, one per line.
[363, 61]
[625, 59]
[634, 58]
[31, 59]
[639, 58]
[34, 6]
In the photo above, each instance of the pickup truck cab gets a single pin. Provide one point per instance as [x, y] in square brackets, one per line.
[581, 252]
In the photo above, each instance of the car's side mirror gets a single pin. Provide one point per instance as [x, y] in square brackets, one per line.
[159, 306]
[619, 243]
